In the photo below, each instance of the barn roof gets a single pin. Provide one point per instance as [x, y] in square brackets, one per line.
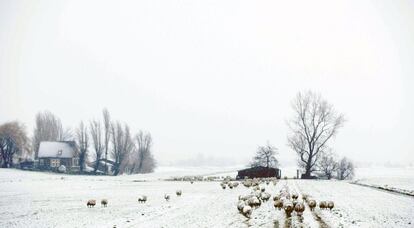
[257, 168]
[63, 149]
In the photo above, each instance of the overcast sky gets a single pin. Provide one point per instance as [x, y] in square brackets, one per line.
[214, 78]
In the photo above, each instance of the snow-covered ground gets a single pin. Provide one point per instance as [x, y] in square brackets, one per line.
[393, 179]
[33, 199]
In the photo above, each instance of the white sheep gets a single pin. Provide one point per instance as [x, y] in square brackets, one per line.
[311, 203]
[178, 192]
[91, 203]
[254, 202]
[265, 196]
[247, 211]
[278, 204]
[330, 205]
[299, 208]
[167, 197]
[322, 205]
[288, 207]
[240, 205]
[142, 199]
[295, 196]
[104, 202]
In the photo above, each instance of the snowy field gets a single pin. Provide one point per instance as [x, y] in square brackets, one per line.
[394, 179]
[32, 199]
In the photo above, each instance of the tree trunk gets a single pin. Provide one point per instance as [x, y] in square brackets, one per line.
[96, 166]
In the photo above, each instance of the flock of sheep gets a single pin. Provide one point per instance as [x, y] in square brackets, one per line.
[290, 203]
[141, 199]
[284, 200]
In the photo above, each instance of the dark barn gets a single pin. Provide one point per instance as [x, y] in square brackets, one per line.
[258, 171]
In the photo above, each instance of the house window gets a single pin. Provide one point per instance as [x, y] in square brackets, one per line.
[54, 162]
[75, 161]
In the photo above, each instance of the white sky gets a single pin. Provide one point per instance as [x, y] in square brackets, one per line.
[214, 78]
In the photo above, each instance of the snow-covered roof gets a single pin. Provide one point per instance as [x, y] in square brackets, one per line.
[56, 150]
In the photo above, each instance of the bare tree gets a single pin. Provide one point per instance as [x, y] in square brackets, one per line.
[107, 130]
[13, 141]
[48, 127]
[345, 169]
[98, 144]
[122, 145]
[265, 156]
[314, 123]
[82, 138]
[144, 160]
[327, 165]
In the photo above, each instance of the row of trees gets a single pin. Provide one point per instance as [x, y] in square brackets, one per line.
[330, 167]
[100, 143]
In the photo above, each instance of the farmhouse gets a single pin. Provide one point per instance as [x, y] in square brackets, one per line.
[258, 171]
[54, 154]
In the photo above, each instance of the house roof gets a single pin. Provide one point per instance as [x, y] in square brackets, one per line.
[63, 149]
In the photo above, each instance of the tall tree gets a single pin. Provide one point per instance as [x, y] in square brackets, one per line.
[107, 132]
[97, 141]
[144, 160]
[48, 127]
[345, 169]
[265, 156]
[122, 146]
[314, 123]
[82, 139]
[13, 141]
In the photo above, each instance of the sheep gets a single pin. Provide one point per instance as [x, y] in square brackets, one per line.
[322, 205]
[230, 185]
[295, 196]
[330, 205]
[312, 204]
[288, 207]
[304, 196]
[265, 196]
[294, 202]
[278, 204]
[254, 202]
[247, 211]
[246, 197]
[263, 189]
[223, 185]
[142, 199]
[167, 197]
[235, 184]
[247, 183]
[192, 182]
[240, 205]
[267, 182]
[257, 194]
[104, 202]
[91, 203]
[299, 208]
[178, 192]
